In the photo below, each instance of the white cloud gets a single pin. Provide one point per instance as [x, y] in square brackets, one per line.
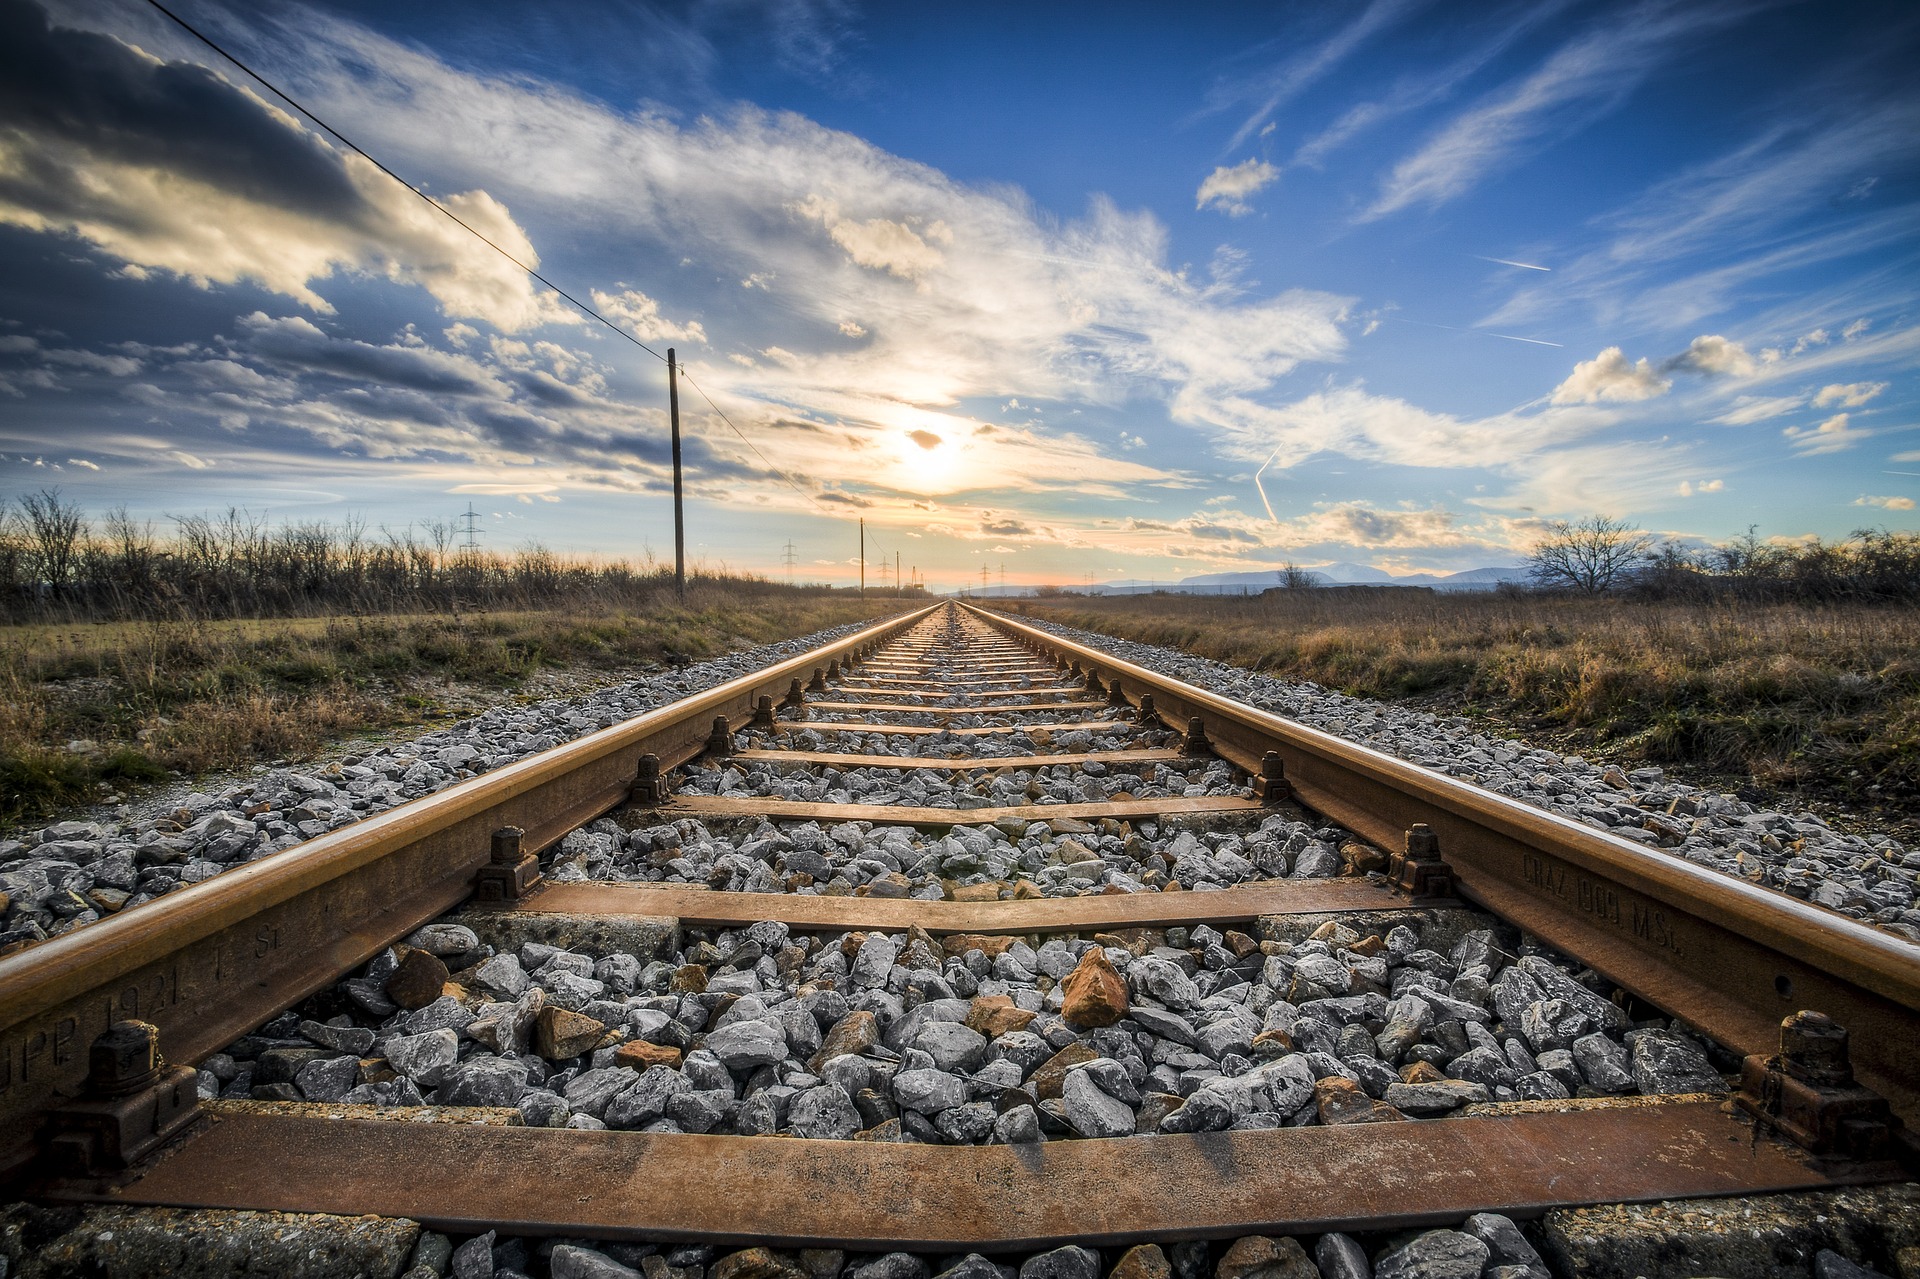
[1885, 503]
[169, 167]
[1610, 376]
[1689, 488]
[1714, 355]
[1748, 409]
[1230, 189]
[850, 329]
[640, 315]
[1849, 395]
[1834, 435]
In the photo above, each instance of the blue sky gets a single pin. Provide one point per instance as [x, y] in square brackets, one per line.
[1099, 291]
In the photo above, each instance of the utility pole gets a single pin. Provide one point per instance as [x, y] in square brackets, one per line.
[896, 573]
[983, 579]
[679, 515]
[863, 557]
[469, 516]
[1003, 577]
[789, 558]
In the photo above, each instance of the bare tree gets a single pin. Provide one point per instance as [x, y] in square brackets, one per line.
[1592, 557]
[55, 526]
[1294, 578]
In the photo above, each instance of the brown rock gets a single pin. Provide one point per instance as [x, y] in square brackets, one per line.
[886, 1130]
[1342, 1101]
[1240, 944]
[754, 1263]
[1154, 1107]
[892, 885]
[1171, 886]
[1361, 859]
[1026, 890]
[688, 979]
[1270, 1045]
[1136, 941]
[106, 900]
[854, 1033]
[1369, 946]
[961, 943]
[1259, 1257]
[1142, 1261]
[1071, 826]
[640, 1054]
[987, 892]
[1421, 1072]
[417, 981]
[995, 1015]
[375, 1070]
[1051, 1075]
[1095, 993]
[559, 1034]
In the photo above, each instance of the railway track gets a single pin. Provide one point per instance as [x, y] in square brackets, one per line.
[1025, 950]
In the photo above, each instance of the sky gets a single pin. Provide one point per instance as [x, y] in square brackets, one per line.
[1061, 292]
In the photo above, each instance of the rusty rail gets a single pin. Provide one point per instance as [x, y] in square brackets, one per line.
[1731, 958]
[210, 962]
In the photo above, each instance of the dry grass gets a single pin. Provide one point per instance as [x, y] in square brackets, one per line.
[1810, 703]
[176, 697]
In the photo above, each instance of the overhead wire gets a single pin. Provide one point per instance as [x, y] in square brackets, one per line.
[468, 227]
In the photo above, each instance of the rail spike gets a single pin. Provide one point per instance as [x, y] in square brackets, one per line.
[763, 714]
[1196, 743]
[1272, 786]
[1807, 1094]
[795, 701]
[511, 872]
[720, 740]
[649, 787]
[1420, 871]
[133, 1105]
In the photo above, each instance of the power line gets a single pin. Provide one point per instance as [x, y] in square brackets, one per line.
[355, 147]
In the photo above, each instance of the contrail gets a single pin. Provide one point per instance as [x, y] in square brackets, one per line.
[1525, 266]
[1263, 488]
[1429, 324]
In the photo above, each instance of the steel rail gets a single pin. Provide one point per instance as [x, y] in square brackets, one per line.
[1724, 955]
[211, 961]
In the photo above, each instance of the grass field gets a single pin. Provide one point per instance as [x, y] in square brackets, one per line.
[1795, 704]
[196, 697]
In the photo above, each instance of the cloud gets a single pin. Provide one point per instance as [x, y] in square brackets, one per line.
[879, 243]
[1715, 356]
[925, 439]
[1279, 84]
[1688, 488]
[1580, 81]
[640, 315]
[1006, 526]
[1834, 435]
[165, 166]
[1885, 503]
[1610, 376]
[1848, 394]
[1696, 243]
[1748, 409]
[1230, 189]
[849, 329]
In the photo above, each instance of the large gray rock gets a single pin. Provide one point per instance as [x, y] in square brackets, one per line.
[572, 1262]
[1071, 1262]
[824, 1112]
[1665, 1064]
[1437, 1254]
[1092, 1112]
[485, 1081]
[928, 1091]
[742, 1046]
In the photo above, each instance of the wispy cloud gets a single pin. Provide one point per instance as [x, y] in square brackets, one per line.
[1268, 90]
[1582, 80]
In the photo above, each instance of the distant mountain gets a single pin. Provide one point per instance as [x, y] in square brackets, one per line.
[1341, 574]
